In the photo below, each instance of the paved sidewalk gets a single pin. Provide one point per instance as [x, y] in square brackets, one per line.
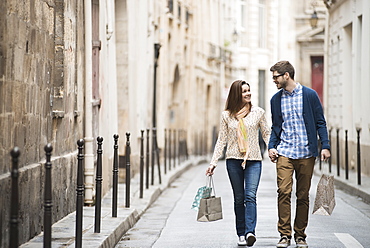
[112, 229]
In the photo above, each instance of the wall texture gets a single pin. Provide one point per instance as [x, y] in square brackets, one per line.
[40, 77]
[348, 76]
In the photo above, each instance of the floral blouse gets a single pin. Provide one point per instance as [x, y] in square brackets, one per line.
[254, 121]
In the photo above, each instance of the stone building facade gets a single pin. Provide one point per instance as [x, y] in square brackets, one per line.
[41, 82]
[348, 60]
[192, 68]
[75, 70]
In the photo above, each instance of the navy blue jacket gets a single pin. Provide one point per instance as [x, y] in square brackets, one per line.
[313, 116]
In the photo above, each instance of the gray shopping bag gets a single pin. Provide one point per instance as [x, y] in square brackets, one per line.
[210, 209]
[325, 196]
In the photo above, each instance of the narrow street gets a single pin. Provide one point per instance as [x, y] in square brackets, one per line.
[170, 221]
[98, 95]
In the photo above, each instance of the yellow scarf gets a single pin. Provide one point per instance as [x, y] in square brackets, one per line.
[242, 133]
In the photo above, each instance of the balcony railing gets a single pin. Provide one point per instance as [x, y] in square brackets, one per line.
[219, 53]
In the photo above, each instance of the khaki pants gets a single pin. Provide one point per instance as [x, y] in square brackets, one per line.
[303, 169]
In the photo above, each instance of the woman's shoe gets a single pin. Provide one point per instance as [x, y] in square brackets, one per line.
[251, 238]
[242, 241]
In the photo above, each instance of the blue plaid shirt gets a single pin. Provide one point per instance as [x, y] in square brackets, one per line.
[294, 141]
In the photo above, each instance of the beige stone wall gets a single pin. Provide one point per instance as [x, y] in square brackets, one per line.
[41, 77]
[347, 78]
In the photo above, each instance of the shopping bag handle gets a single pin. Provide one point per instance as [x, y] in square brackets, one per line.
[211, 184]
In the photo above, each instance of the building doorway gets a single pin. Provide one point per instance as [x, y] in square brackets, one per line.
[317, 75]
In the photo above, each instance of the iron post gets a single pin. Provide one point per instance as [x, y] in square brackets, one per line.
[338, 155]
[98, 182]
[346, 153]
[147, 158]
[128, 175]
[80, 194]
[330, 156]
[142, 164]
[165, 151]
[14, 203]
[115, 176]
[358, 157]
[47, 198]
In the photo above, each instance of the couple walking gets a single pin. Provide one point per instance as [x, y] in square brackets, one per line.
[297, 120]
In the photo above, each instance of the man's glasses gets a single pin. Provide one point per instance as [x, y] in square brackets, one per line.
[276, 76]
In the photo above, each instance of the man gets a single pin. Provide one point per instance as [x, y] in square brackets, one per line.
[297, 119]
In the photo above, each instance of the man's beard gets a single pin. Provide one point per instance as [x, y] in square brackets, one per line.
[282, 84]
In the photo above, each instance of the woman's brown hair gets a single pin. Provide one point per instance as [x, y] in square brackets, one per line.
[234, 101]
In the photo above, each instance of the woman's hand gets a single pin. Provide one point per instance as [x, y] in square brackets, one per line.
[210, 169]
[273, 154]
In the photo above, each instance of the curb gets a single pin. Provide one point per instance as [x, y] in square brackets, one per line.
[352, 190]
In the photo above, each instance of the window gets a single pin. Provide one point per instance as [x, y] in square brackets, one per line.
[261, 24]
[187, 17]
[261, 88]
[179, 11]
[243, 16]
[170, 6]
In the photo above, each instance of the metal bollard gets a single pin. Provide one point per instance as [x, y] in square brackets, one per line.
[147, 159]
[358, 157]
[98, 183]
[346, 153]
[183, 145]
[80, 194]
[141, 164]
[199, 139]
[128, 175]
[205, 144]
[338, 156]
[169, 149]
[174, 147]
[157, 156]
[186, 146]
[165, 151]
[115, 176]
[14, 206]
[183, 149]
[152, 158]
[47, 198]
[179, 142]
[330, 156]
[196, 144]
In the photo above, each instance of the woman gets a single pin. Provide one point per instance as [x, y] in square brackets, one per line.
[240, 123]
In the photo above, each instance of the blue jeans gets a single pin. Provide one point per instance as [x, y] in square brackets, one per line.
[244, 184]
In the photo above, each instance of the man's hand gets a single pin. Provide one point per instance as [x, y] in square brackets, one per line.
[273, 154]
[325, 154]
[210, 169]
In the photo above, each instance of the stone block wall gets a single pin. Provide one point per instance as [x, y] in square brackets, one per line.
[41, 92]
